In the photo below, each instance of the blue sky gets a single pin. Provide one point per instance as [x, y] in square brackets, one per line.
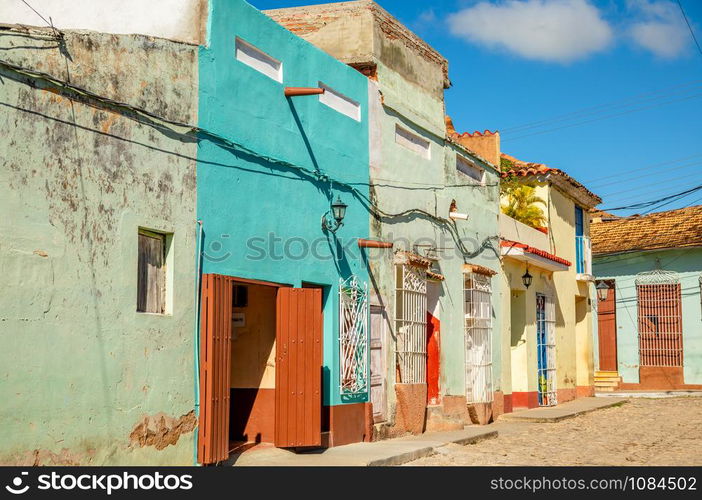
[519, 66]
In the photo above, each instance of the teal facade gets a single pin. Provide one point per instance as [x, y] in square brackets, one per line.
[623, 269]
[261, 205]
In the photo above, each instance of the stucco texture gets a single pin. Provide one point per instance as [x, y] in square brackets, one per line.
[261, 215]
[80, 369]
[623, 269]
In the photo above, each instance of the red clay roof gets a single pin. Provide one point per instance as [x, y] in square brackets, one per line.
[527, 169]
[535, 251]
[672, 229]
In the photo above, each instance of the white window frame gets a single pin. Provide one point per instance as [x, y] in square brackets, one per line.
[412, 141]
[257, 59]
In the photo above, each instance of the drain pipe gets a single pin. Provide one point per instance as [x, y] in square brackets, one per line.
[198, 281]
[373, 244]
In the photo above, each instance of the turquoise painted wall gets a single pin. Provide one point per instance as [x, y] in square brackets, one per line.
[254, 209]
[623, 269]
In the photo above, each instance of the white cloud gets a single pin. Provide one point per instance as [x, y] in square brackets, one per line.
[660, 28]
[546, 30]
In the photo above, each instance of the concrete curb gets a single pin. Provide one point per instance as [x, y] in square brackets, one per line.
[416, 454]
[559, 414]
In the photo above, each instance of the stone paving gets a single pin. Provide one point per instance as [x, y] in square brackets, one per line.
[640, 432]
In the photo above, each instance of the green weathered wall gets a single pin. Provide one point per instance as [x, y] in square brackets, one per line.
[84, 378]
[407, 104]
[623, 269]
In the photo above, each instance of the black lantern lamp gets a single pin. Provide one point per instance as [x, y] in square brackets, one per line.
[338, 212]
[527, 278]
[602, 291]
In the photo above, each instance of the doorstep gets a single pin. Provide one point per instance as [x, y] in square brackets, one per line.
[395, 451]
[562, 411]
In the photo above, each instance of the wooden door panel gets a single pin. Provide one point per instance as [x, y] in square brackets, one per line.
[215, 368]
[298, 367]
[607, 331]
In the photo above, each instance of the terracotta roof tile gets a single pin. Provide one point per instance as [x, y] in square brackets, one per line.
[672, 229]
[528, 169]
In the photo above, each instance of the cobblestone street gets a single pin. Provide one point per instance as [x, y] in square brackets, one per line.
[639, 432]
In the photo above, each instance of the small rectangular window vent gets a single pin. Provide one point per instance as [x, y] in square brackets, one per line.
[258, 60]
[412, 141]
[339, 102]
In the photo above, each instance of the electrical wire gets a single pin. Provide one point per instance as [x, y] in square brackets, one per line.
[601, 108]
[689, 26]
[694, 96]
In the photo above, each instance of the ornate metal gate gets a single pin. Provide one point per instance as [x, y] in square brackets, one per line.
[477, 296]
[411, 323]
[546, 350]
[353, 336]
[659, 306]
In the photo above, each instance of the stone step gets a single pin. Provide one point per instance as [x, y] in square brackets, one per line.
[606, 383]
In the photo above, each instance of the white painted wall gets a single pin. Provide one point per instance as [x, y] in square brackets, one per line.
[181, 20]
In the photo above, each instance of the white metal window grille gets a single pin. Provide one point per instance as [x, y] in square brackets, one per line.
[659, 307]
[411, 323]
[353, 336]
[546, 350]
[477, 297]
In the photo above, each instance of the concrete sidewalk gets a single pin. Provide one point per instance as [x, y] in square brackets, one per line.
[562, 411]
[387, 452]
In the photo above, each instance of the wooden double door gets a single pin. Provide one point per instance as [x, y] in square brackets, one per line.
[298, 390]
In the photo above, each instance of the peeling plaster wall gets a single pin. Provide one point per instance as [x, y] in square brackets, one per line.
[79, 367]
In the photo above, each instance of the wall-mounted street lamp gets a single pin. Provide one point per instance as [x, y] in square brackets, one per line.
[527, 278]
[338, 212]
[602, 290]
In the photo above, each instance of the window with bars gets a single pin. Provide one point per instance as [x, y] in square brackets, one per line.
[411, 323]
[659, 307]
[546, 350]
[477, 300]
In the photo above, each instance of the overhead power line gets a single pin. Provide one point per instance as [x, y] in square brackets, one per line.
[689, 26]
[647, 204]
[603, 108]
[613, 115]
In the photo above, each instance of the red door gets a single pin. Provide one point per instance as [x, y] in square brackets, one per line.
[433, 358]
[215, 367]
[298, 370]
[607, 331]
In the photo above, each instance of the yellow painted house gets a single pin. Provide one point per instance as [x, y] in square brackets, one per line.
[548, 292]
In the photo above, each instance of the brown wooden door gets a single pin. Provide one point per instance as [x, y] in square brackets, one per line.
[607, 331]
[215, 368]
[298, 370]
